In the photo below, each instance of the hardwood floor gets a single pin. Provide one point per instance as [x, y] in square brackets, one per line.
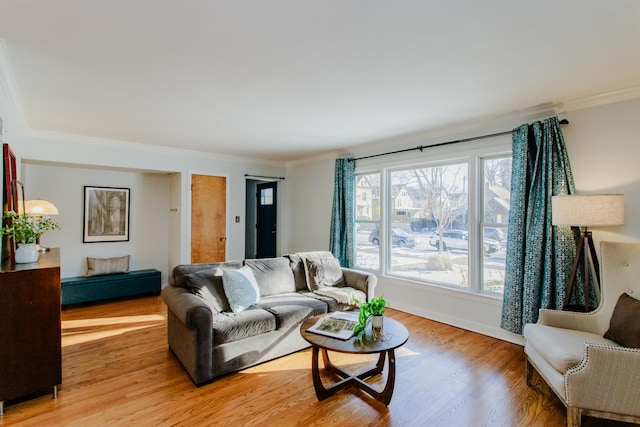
[117, 370]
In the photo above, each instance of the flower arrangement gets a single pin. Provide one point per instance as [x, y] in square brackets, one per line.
[26, 228]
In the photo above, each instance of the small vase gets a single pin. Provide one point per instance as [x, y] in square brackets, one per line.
[376, 326]
[26, 253]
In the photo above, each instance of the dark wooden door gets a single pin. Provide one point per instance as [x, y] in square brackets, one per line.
[266, 220]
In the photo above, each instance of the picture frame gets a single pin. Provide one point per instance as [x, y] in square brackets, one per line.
[18, 190]
[9, 199]
[106, 214]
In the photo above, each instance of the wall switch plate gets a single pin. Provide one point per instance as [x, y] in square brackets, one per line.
[237, 219]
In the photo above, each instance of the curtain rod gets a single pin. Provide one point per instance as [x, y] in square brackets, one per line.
[422, 147]
[262, 176]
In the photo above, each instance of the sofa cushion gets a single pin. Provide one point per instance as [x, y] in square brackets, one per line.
[273, 275]
[241, 288]
[563, 348]
[291, 309]
[323, 271]
[624, 327]
[296, 263]
[229, 327]
[179, 272]
[207, 284]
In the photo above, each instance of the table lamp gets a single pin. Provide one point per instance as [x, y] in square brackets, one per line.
[594, 210]
[39, 208]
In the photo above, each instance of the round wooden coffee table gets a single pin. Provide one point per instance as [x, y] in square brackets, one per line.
[395, 335]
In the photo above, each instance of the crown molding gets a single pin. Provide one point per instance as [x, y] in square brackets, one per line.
[460, 130]
[127, 145]
[619, 95]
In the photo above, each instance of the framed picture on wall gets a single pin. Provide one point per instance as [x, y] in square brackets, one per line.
[106, 214]
[18, 190]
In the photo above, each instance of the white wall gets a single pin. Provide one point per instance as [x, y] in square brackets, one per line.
[58, 166]
[308, 205]
[603, 150]
[63, 186]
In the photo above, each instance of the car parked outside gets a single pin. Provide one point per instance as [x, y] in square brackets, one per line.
[494, 234]
[399, 237]
[459, 239]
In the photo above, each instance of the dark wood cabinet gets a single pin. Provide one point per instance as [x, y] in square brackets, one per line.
[30, 336]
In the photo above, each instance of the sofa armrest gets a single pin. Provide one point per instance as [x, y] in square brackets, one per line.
[576, 321]
[192, 311]
[606, 379]
[360, 280]
[190, 332]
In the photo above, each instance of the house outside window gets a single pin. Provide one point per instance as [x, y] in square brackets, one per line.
[368, 221]
[444, 222]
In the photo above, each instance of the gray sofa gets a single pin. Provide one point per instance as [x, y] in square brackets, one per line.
[211, 340]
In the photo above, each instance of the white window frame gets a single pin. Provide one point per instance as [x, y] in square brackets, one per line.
[473, 153]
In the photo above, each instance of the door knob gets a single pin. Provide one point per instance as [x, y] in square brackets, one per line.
[223, 239]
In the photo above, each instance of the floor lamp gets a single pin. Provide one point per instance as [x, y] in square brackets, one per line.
[596, 210]
[39, 208]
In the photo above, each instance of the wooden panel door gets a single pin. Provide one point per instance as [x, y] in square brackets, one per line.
[208, 218]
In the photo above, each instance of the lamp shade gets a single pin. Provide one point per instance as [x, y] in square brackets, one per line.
[590, 210]
[40, 207]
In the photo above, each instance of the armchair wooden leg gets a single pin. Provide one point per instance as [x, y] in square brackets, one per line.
[574, 416]
[528, 370]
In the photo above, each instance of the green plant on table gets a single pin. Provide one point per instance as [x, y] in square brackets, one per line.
[368, 309]
[26, 228]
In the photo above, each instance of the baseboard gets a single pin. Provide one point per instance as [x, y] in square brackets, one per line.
[457, 322]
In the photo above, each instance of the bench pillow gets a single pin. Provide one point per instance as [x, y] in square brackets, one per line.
[99, 266]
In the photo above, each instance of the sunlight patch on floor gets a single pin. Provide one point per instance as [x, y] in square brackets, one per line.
[87, 330]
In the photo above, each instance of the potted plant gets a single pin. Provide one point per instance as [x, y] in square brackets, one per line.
[25, 230]
[373, 309]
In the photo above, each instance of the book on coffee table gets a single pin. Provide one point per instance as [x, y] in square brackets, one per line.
[336, 325]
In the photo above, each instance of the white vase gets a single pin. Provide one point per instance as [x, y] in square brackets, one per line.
[26, 252]
[376, 326]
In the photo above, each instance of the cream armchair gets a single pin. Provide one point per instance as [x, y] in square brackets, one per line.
[590, 374]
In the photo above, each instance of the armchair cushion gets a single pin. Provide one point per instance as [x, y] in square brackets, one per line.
[562, 348]
[624, 327]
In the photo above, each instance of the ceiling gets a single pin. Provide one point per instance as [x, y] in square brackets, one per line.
[287, 79]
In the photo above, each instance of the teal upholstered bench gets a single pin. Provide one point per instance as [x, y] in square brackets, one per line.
[82, 289]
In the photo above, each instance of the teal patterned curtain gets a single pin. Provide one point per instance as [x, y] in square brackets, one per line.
[342, 217]
[539, 256]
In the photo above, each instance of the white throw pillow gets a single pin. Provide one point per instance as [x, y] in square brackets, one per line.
[241, 288]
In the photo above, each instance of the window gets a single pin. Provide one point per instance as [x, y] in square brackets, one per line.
[443, 222]
[437, 195]
[368, 221]
[266, 196]
[495, 200]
